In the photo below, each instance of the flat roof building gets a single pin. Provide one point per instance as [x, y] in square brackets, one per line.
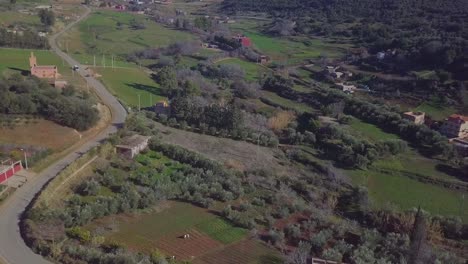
[132, 146]
[415, 117]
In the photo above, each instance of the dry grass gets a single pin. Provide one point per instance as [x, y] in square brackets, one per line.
[227, 151]
[42, 133]
[281, 120]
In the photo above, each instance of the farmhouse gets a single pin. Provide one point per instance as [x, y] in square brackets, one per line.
[415, 117]
[455, 126]
[132, 146]
[49, 72]
[162, 108]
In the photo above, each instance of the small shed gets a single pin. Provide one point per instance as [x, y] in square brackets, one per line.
[132, 146]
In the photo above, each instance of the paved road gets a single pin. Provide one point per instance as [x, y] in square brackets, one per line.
[13, 249]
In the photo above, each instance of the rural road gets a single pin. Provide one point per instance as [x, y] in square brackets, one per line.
[13, 249]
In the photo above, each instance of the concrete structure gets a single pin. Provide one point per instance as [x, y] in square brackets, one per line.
[132, 146]
[455, 126]
[162, 108]
[43, 72]
[347, 88]
[49, 72]
[461, 145]
[264, 59]
[323, 261]
[8, 169]
[415, 117]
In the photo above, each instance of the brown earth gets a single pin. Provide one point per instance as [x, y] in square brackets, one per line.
[242, 154]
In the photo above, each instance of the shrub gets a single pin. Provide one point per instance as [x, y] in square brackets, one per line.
[80, 234]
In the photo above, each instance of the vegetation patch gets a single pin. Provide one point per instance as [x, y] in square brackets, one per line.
[131, 84]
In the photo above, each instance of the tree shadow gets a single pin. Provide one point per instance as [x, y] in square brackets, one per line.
[21, 71]
[452, 172]
[149, 88]
[270, 259]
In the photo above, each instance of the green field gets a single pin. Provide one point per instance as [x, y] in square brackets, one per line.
[369, 131]
[252, 70]
[16, 18]
[179, 217]
[395, 189]
[127, 84]
[287, 50]
[111, 33]
[436, 110]
[222, 231]
[286, 103]
[389, 182]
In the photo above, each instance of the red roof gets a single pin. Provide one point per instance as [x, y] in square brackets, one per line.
[459, 117]
[246, 42]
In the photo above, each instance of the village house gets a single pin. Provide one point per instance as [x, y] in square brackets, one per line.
[132, 146]
[415, 117]
[243, 40]
[347, 88]
[162, 108]
[48, 72]
[455, 126]
[264, 59]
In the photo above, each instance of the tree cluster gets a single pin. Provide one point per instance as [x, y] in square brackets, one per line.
[32, 96]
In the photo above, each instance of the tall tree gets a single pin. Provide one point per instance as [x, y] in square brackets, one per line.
[47, 17]
[419, 249]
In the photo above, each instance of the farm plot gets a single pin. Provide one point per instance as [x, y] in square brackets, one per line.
[165, 227]
[252, 70]
[244, 252]
[133, 86]
[109, 33]
[189, 248]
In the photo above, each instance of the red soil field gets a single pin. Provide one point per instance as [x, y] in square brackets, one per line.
[187, 249]
[244, 252]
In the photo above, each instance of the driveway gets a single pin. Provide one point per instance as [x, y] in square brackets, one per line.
[13, 249]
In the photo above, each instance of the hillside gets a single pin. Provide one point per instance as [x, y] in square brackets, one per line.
[427, 34]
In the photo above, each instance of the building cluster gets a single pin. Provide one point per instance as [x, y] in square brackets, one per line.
[454, 127]
[47, 72]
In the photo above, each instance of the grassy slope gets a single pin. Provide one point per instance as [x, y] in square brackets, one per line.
[407, 193]
[128, 83]
[392, 186]
[252, 70]
[288, 50]
[100, 34]
[435, 110]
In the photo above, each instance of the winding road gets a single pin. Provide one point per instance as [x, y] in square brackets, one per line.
[13, 249]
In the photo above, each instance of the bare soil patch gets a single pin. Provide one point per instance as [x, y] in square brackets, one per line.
[187, 249]
[227, 151]
[244, 252]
